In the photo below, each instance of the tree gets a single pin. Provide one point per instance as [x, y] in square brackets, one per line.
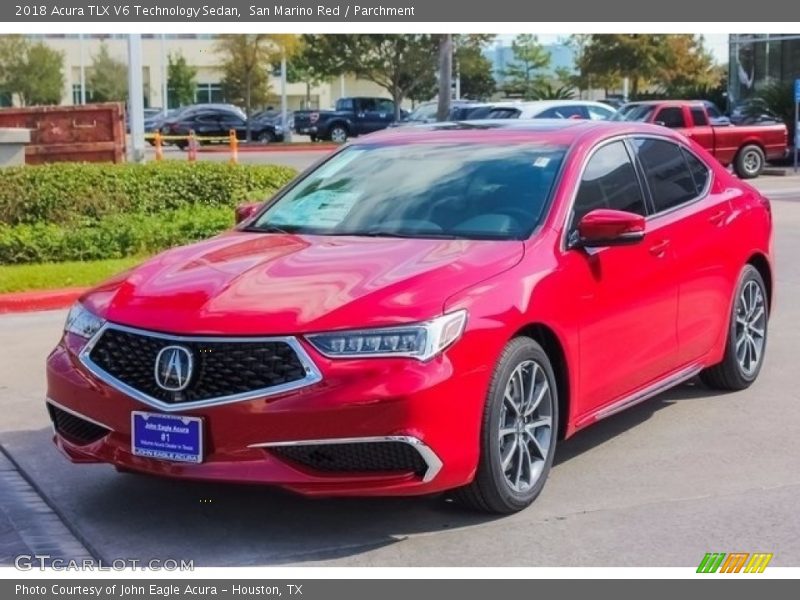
[247, 61]
[582, 79]
[32, 71]
[524, 75]
[400, 64]
[302, 68]
[686, 63]
[107, 78]
[180, 80]
[472, 67]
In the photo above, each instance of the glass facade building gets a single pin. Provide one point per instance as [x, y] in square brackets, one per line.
[757, 60]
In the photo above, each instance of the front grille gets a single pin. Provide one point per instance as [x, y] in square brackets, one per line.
[221, 368]
[357, 457]
[73, 428]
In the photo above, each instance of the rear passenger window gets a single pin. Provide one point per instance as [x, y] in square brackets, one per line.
[668, 176]
[671, 116]
[609, 181]
[699, 117]
[563, 112]
[699, 170]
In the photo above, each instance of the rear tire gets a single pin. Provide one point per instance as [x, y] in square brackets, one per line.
[517, 444]
[749, 162]
[266, 137]
[747, 336]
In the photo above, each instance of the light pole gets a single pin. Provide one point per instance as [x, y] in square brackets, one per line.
[287, 134]
[164, 81]
[83, 70]
[136, 96]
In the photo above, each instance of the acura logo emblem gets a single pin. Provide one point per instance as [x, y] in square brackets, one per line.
[174, 368]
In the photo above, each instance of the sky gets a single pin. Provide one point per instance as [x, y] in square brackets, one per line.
[717, 43]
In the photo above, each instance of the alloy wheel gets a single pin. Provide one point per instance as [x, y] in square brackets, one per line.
[338, 135]
[752, 162]
[525, 426]
[751, 321]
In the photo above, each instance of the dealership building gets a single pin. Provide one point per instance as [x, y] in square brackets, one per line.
[756, 60]
[199, 51]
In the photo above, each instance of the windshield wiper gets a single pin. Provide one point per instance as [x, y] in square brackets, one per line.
[269, 228]
[399, 234]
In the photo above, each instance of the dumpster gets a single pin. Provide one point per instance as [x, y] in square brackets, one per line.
[84, 133]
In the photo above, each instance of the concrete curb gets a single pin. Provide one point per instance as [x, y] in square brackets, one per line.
[39, 300]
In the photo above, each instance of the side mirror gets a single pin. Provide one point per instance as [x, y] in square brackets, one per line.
[245, 211]
[605, 227]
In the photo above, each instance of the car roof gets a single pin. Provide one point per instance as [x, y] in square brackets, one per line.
[546, 103]
[555, 131]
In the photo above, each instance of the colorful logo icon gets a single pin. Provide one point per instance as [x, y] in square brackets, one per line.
[735, 562]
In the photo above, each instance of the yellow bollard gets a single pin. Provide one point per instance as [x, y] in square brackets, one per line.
[159, 148]
[192, 146]
[234, 143]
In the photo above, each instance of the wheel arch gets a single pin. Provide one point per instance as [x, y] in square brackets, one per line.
[547, 338]
[761, 264]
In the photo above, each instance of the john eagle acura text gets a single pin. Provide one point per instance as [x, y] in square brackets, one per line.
[429, 309]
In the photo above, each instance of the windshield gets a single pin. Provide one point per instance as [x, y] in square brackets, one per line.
[473, 191]
[634, 112]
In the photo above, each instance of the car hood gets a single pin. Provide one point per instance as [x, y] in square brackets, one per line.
[271, 284]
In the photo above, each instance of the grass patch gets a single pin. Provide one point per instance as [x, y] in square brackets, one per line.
[23, 278]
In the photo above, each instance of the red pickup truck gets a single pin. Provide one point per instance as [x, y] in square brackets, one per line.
[746, 147]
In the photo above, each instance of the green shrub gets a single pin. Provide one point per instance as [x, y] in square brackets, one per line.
[72, 193]
[116, 236]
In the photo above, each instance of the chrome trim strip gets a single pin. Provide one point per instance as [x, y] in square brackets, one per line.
[75, 413]
[313, 374]
[428, 455]
[652, 390]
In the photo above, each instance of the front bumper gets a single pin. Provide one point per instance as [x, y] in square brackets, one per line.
[432, 408]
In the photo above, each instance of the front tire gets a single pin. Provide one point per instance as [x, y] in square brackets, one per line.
[518, 433]
[749, 162]
[747, 336]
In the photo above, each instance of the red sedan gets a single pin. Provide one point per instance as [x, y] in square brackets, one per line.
[428, 309]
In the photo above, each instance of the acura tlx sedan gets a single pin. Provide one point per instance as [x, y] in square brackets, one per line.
[431, 308]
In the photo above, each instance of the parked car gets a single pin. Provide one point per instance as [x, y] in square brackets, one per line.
[747, 148]
[430, 309]
[460, 110]
[546, 109]
[350, 118]
[218, 121]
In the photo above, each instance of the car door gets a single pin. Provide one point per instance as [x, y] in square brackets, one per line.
[206, 123]
[701, 130]
[626, 296]
[377, 113]
[228, 121]
[695, 218]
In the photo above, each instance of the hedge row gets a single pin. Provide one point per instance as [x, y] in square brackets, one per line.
[117, 236]
[71, 193]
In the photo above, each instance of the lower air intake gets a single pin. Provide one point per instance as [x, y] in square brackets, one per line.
[357, 457]
[73, 428]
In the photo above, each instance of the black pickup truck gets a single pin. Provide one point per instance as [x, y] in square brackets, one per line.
[350, 118]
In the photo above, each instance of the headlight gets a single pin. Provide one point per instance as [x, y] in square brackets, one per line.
[421, 341]
[81, 322]
[278, 129]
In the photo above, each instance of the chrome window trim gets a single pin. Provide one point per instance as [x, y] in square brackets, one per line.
[628, 138]
[75, 413]
[428, 455]
[313, 374]
[700, 196]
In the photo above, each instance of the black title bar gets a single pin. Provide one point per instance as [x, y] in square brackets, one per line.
[410, 11]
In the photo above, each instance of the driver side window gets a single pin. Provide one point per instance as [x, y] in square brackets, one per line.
[609, 181]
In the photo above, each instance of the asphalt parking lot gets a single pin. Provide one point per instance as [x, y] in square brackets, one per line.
[686, 473]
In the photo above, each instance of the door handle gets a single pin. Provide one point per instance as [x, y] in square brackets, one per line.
[718, 217]
[659, 249]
